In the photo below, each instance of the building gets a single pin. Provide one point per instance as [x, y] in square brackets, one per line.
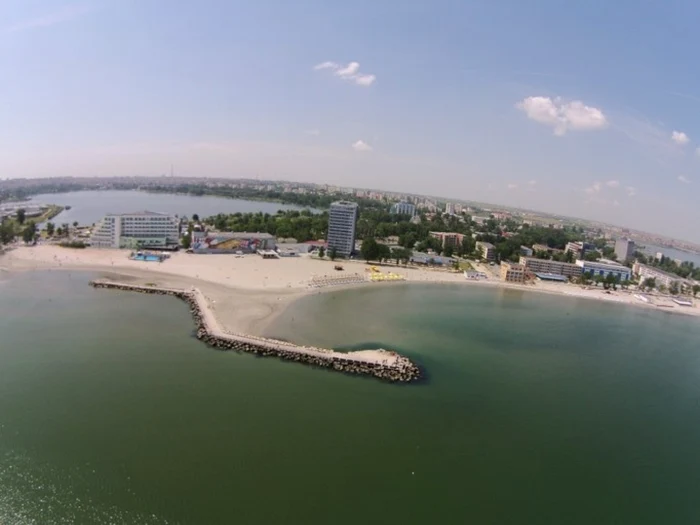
[605, 268]
[450, 208]
[662, 278]
[542, 266]
[527, 252]
[624, 249]
[513, 273]
[579, 249]
[341, 227]
[487, 250]
[404, 208]
[544, 248]
[448, 238]
[231, 242]
[145, 229]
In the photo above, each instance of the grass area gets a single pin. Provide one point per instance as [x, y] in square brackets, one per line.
[49, 214]
[465, 266]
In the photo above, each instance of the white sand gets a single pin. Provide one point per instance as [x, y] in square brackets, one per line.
[247, 292]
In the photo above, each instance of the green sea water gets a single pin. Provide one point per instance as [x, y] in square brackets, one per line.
[535, 410]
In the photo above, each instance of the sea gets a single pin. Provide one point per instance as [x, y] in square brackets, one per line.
[88, 207]
[535, 409]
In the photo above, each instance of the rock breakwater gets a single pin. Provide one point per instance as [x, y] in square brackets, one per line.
[382, 364]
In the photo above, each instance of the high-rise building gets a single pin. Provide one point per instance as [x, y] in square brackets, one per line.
[450, 208]
[624, 249]
[341, 227]
[404, 208]
[145, 229]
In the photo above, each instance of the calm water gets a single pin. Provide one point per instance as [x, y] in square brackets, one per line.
[538, 410]
[650, 249]
[88, 207]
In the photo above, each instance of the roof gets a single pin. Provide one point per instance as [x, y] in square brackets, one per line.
[551, 277]
[240, 235]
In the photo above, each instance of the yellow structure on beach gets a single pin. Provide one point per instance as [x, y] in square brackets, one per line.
[377, 277]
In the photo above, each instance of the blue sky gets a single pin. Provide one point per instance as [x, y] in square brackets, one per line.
[588, 110]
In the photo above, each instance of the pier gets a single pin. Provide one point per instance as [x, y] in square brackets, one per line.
[382, 364]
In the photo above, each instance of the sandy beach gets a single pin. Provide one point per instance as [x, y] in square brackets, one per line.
[246, 293]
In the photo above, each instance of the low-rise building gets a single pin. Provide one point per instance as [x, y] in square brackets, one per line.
[448, 238]
[544, 248]
[527, 252]
[579, 249]
[487, 250]
[404, 208]
[231, 242]
[513, 273]
[543, 266]
[605, 268]
[662, 278]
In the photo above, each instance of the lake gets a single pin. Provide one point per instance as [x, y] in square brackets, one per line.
[88, 207]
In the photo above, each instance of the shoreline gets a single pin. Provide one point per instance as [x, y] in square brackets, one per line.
[247, 294]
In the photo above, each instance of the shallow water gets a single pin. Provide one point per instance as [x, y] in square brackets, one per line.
[537, 409]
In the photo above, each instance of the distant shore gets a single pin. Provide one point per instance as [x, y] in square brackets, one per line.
[247, 293]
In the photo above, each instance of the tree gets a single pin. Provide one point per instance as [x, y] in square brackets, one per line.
[696, 289]
[21, 215]
[50, 229]
[186, 240]
[322, 252]
[675, 288]
[384, 252]
[649, 283]
[663, 288]
[195, 217]
[66, 228]
[29, 232]
[449, 251]
[75, 224]
[333, 253]
[7, 232]
[370, 249]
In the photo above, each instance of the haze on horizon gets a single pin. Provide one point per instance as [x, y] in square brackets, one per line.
[586, 110]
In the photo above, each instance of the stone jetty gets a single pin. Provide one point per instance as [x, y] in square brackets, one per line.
[382, 364]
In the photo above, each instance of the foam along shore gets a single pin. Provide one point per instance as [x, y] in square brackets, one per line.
[382, 364]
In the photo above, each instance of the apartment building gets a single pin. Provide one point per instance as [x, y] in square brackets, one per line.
[534, 265]
[513, 273]
[487, 250]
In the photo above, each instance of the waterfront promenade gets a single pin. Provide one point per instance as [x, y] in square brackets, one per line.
[383, 364]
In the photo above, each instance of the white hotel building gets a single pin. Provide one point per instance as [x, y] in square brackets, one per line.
[145, 229]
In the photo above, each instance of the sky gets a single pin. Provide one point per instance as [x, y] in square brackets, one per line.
[588, 109]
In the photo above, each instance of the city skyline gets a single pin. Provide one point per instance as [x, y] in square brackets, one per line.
[591, 117]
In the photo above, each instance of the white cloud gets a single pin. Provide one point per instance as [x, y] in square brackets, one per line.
[563, 116]
[326, 65]
[361, 145]
[631, 191]
[680, 138]
[683, 179]
[612, 184]
[350, 72]
[532, 182]
[595, 188]
[64, 14]
[512, 186]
